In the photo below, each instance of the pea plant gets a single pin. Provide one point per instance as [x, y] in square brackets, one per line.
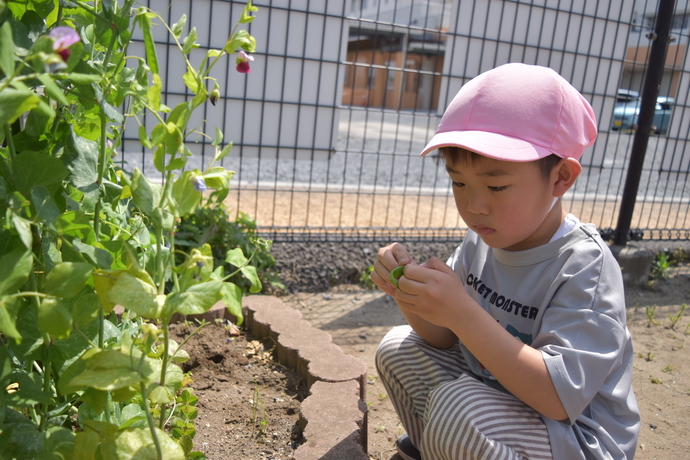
[79, 236]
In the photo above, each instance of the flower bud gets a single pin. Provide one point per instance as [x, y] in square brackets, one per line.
[199, 183]
[242, 62]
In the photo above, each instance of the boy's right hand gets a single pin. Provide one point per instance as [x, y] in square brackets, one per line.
[389, 257]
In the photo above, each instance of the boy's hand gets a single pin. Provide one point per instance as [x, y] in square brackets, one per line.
[432, 291]
[389, 258]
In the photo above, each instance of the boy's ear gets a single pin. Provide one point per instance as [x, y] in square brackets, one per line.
[564, 175]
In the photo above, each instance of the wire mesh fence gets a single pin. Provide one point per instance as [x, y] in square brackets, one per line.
[344, 94]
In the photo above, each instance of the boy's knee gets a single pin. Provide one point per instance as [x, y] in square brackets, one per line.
[449, 398]
[391, 343]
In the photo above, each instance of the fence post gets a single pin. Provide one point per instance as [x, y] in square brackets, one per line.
[650, 90]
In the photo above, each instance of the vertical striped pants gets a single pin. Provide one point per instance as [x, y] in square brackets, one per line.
[450, 415]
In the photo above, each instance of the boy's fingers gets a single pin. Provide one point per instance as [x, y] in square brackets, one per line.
[399, 254]
[437, 264]
[382, 283]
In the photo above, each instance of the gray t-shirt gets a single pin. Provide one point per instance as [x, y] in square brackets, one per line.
[566, 299]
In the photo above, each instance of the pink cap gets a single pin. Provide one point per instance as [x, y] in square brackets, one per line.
[518, 112]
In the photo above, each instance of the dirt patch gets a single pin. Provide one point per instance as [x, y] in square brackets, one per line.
[248, 404]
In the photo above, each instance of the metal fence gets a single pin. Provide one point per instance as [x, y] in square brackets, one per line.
[344, 94]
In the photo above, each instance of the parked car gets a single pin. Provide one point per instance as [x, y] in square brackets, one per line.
[628, 109]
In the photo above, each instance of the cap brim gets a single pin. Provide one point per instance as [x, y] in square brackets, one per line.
[492, 145]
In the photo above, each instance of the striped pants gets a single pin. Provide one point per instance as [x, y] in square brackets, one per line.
[450, 415]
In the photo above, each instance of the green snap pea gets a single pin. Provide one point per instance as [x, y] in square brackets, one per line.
[396, 274]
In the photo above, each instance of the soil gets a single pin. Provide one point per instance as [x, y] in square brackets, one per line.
[248, 404]
[323, 281]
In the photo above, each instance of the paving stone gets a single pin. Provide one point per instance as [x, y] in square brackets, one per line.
[333, 417]
[299, 345]
[333, 422]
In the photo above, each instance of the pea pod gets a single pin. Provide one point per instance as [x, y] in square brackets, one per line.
[396, 274]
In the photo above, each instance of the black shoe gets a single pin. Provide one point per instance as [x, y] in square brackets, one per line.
[406, 449]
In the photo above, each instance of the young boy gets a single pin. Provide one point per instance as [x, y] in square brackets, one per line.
[518, 346]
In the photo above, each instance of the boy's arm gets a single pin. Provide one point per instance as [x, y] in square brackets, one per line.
[439, 297]
[436, 336]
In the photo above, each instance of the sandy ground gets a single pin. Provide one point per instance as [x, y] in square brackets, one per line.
[358, 318]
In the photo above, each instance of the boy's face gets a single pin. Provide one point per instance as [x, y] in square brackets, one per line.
[505, 203]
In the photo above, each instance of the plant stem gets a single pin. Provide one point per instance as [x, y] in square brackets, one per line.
[83, 336]
[47, 379]
[10, 141]
[171, 258]
[101, 326]
[106, 60]
[160, 264]
[152, 424]
[164, 368]
[102, 160]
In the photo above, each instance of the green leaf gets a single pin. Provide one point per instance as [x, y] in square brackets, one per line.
[186, 196]
[191, 79]
[199, 298]
[54, 318]
[246, 17]
[15, 102]
[30, 390]
[112, 113]
[94, 254]
[146, 194]
[77, 224]
[87, 442]
[190, 41]
[20, 438]
[109, 370]
[84, 309]
[9, 307]
[96, 399]
[15, 268]
[159, 158]
[136, 295]
[65, 387]
[154, 93]
[45, 207]
[232, 298]
[67, 279]
[172, 138]
[37, 168]
[59, 443]
[236, 257]
[218, 178]
[23, 229]
[103, 282]
[149, 43]
[6, 50]
[249, 272]
[52, 89]
[219, 137]
[223, 153]
[137, 444]
[144, 137]
[241, 40]
[179, 26]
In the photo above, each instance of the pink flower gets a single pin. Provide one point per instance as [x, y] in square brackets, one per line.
[63, 37]
[243, 62]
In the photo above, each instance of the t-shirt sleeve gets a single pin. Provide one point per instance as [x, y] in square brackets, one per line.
[582, 336]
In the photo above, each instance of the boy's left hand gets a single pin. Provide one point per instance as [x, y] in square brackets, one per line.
[431, 290]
